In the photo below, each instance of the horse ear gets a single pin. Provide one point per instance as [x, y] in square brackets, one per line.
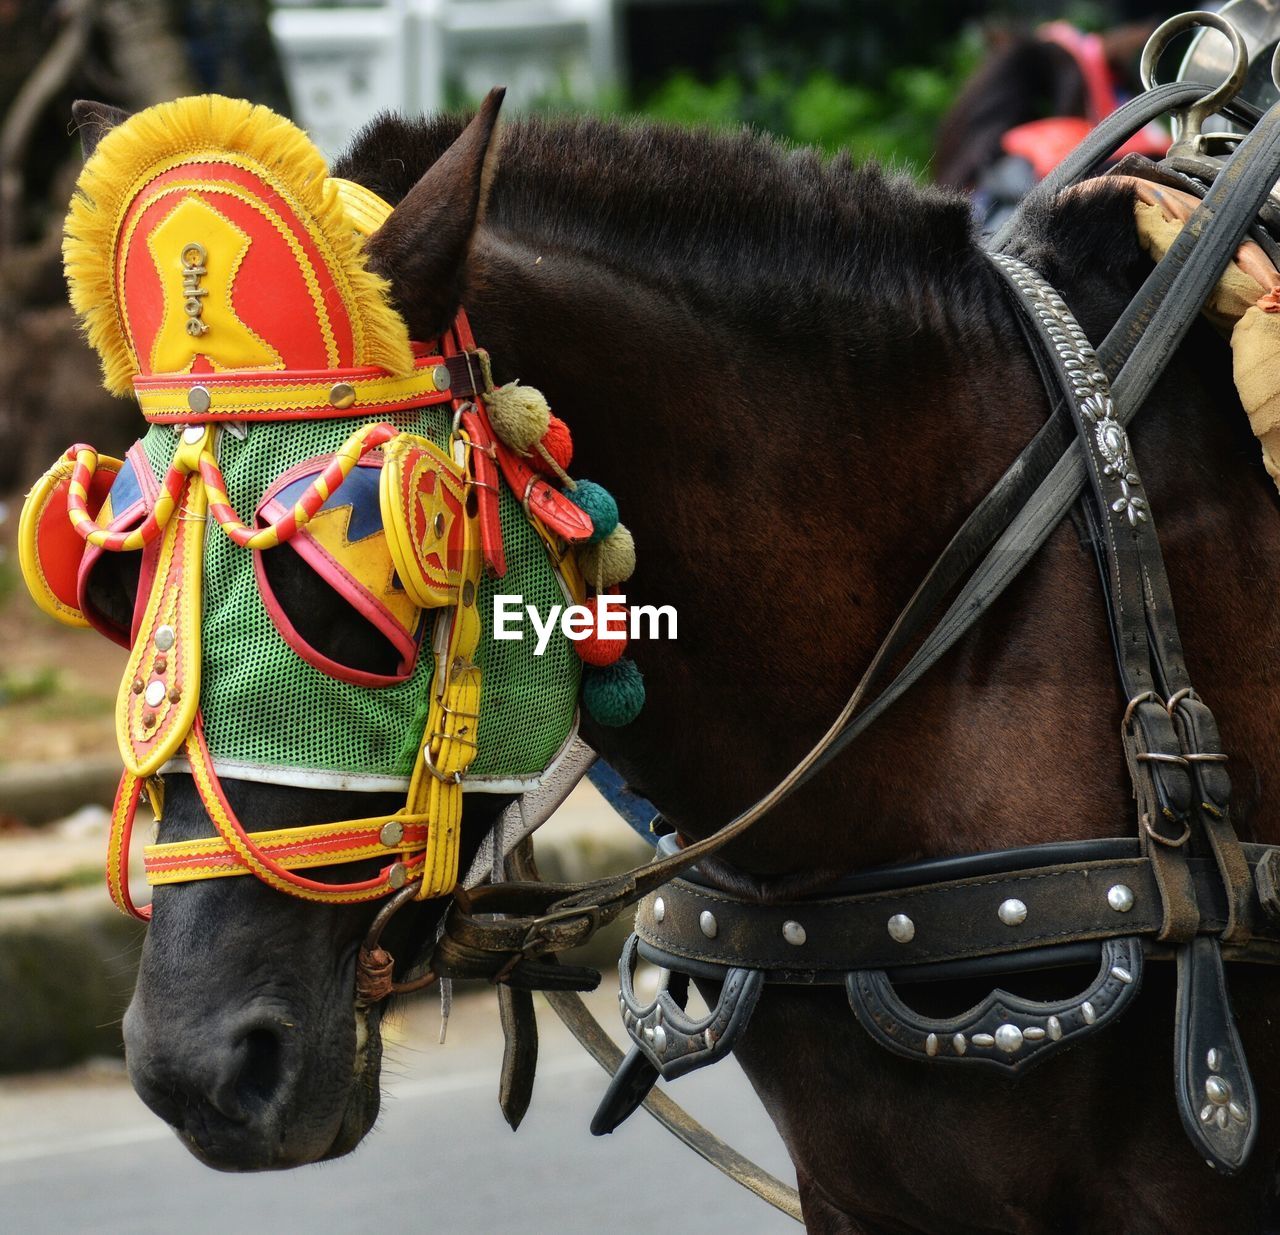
[94, 121]
[422, 247]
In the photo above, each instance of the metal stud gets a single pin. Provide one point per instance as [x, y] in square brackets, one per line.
[391, 833]
[468, 593]
[165, 638]
[1214, 1059]
[198, 400]
[154, 694]
[1055, 1028]
[148, 719]
[647, 1033]
[794, 933]
[441, 378]
[1033, 1034]
[1120, 897]
[1012, 912]
[901, 928]
[707, 923]
[1089, 1012]
[983, 1040]
[1217, 1090]
[439, 524]
[659, 1039]
[931, 1045]
[1009, 1038]
[342, 395]
[175, 694]
[709, 1037]
[959, 1044]
[162, 664]
[659, 909]
[397, 876]
[1121, 974]
[138, 686]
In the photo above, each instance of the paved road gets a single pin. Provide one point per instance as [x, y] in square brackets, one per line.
[79, 1153]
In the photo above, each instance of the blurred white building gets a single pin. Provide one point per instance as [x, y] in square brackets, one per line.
[346, 63]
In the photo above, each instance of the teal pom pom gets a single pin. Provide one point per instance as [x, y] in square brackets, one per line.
[598, 502]
[614, 695]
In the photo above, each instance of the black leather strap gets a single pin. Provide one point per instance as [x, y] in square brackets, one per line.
[946, 920]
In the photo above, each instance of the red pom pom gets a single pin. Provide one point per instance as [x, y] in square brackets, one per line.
[557, 443]
[594, 650]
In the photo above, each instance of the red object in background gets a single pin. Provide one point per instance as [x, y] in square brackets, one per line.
[1045, 143]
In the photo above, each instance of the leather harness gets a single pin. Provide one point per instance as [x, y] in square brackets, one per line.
[1185, 889]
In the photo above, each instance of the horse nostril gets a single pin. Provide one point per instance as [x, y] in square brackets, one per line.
[260, 1070]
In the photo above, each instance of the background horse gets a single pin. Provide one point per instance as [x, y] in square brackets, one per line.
[798, 377]
[1030, 102]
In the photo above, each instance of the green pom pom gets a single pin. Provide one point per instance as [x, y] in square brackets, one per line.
[614, 695]
[598, 502]
[519, 415]
[610, 561]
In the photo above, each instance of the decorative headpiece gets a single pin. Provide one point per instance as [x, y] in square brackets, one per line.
[220, 273]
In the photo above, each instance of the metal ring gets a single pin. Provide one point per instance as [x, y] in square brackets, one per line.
[1133, 703]
[1189, 123]
[1166, 32]
[448, 778]
[1187, 692]
[1164, 840]
[1155, 756]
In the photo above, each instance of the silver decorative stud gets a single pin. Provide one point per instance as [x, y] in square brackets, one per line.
[659, 909]
[659, 1039]
[901, 928]
[1120, 897]
[794, 933]
[441, 378]
[959, 1044]
[707, 922]
[1055, 1028]
[198, 400]
[397, 876]
[391, 833]
[709, 1037]
[983, 1040]
[1121, 974]
[1033, 1034]
[931, 1045]
[1217, 1090]
[1089, 1012]
[155, 694]
[1214, 1059]
[647, 1032]
[342, 395]
[165, 638]
[1009, 1038]
[1012, 912]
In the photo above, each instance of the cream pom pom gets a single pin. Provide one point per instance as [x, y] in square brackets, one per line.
[519, 415]
[610, 561]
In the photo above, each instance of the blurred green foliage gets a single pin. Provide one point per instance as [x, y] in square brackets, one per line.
[894, 123]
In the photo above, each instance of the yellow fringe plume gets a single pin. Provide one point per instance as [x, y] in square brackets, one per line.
[209, 126]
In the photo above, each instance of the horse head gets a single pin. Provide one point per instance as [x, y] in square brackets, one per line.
[245, 1031]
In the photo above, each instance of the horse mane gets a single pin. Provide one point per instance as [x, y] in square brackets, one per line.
[737, 220]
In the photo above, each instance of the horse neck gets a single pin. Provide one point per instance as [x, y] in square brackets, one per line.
[787, 492]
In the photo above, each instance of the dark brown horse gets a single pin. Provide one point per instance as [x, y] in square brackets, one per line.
[798, 377]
